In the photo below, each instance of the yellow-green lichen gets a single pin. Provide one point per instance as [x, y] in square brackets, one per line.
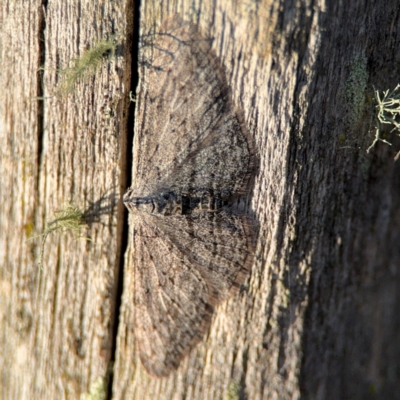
[97, 391]
[355, 88]
[233, 391]
[69, 218]
[85, 66]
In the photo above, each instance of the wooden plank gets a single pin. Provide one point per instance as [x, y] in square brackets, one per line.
[19, 165]
[295, 70]
[58, 323]
[318, 318]
[233, 354]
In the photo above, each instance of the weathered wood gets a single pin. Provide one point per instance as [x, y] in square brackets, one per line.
[58, 324]
[319, 315]
[18, 160]
[294, 331]
[233, 353]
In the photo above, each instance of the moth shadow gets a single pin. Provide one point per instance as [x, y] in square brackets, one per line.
[103, 206]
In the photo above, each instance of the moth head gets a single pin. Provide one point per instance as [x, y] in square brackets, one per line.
[134, 202]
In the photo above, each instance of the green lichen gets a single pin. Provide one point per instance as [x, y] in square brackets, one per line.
[85, 66]
[69, 219]
[233, 391]
[97, 391]
[355, 89]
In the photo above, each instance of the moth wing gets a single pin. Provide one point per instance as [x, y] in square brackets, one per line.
[189, 132]
[219, 244]
[183, 267]
[171, 308]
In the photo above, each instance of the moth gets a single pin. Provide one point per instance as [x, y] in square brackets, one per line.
[193, 170]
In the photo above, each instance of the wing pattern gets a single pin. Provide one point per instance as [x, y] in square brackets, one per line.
[194, 163]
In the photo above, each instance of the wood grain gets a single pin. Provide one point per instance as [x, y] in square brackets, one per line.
[319, 316]
[294, 331]
[58, 323]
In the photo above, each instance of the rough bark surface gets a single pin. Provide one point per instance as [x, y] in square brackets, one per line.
[319, 316]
